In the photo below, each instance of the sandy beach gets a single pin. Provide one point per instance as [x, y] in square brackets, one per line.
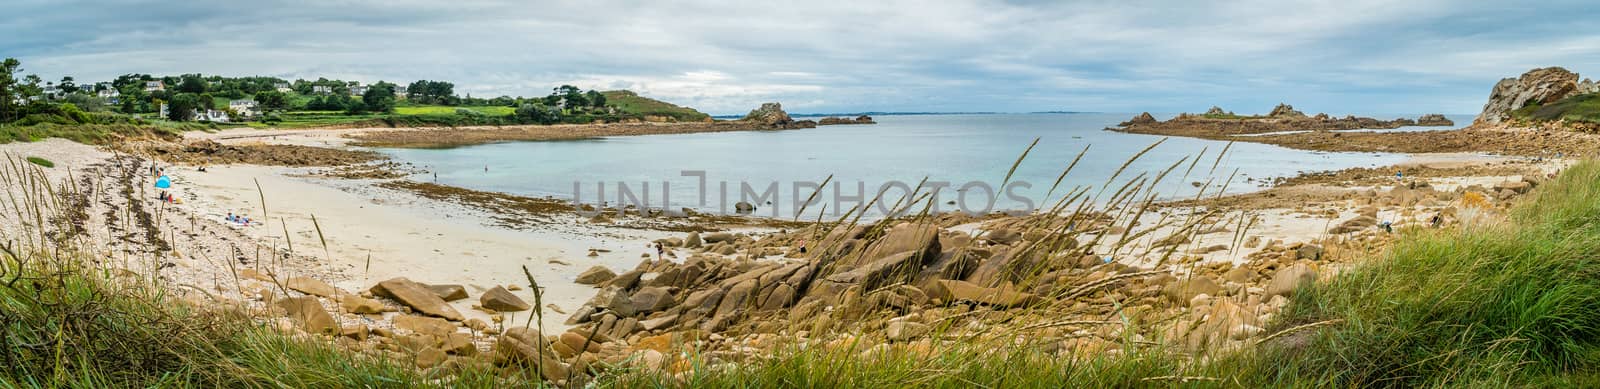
[373, 233]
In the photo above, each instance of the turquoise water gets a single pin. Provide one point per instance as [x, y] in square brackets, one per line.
[958, 149]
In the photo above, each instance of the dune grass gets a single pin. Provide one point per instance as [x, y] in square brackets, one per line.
[41, 162]
[1504, 304]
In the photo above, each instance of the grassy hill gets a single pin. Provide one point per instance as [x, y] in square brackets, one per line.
[633, 103]
[1581, 108]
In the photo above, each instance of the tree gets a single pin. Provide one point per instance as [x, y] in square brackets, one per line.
[8, 89]
[536, 113]
[192, 83]
[182, 107]
[431, 92]
[68, 85]
[596, 99]
[208, 101]
[272, 100]
[379, 98]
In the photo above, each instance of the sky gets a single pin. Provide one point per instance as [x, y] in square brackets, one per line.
[826, 56]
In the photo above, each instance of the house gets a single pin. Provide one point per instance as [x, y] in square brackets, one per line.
[52, 92]
[108, 93]
[282, 87]
[321, 89]
[152, 86]
[212, 115]
[246, 108]
[358, 90]
[400, 92]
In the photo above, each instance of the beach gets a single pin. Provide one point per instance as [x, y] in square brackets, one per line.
[353, 233]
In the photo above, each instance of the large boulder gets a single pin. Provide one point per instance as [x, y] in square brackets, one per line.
[309, 314]
[501, 300]
[595, 275]
[1185, 290]
[524, 346]
[651, 299]
[1285, 111]
[449, 292]
[770, 114]
[416, 296]
[1537, 86]
[312, 286]
[1001, 297]
[1288, 279]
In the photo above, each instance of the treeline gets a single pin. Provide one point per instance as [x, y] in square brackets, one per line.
[68, 100]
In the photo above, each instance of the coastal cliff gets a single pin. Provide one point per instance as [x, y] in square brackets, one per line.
[771, 115]
[1550, 98]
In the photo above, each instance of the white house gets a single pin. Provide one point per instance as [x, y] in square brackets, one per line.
[152, 86]
[358, 90]
[282, 87]
[246, 108]
[51, 91]
[108, 93]
[400, 91]
[212, 115]
[321, 89]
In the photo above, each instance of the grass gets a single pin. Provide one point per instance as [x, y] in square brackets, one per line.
[446, 110]
[1580, 108]
[41, 162]
[95, 134]
[629, 102]
[1498, 305]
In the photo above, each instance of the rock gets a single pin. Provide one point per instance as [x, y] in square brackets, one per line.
[313, 287]
[449, 292]
[1288, 279]
[595, 275]
[525, 346]
[430, 357]
[417, 297]
[501, 300]
[1215, 111]
[1518, 187]
[717, 237]
[1537, 86]
[1143, 118]
[1308, 252]
[361, 305]
[903, 330]
[424, 325]
[770, 114]
[692, 240]
[358, 333]
[1355, 224]
[309, 314]
[651, 299]
[1434, 119]
[1285, 111]
[743, 207]
[997, 297]
[1183, 291]
[659, 322]
[459, 344]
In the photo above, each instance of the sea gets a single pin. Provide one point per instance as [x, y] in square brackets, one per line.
[970, 162]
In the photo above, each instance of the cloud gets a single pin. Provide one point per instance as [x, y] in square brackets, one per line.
[1356, 56]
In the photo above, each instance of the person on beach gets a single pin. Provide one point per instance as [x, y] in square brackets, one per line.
[229, 218]
[802, 246]
[660, 251]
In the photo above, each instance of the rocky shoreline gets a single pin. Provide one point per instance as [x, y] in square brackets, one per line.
[1283, 118]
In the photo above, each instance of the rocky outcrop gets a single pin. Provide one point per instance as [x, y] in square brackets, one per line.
[829, 121]
[1142, 118]
[1285, 111]
[1216, 124]
[1537, 86]
[772, 115]
[1434, 119]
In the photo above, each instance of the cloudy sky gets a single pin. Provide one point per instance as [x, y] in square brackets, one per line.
[1346, 56]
